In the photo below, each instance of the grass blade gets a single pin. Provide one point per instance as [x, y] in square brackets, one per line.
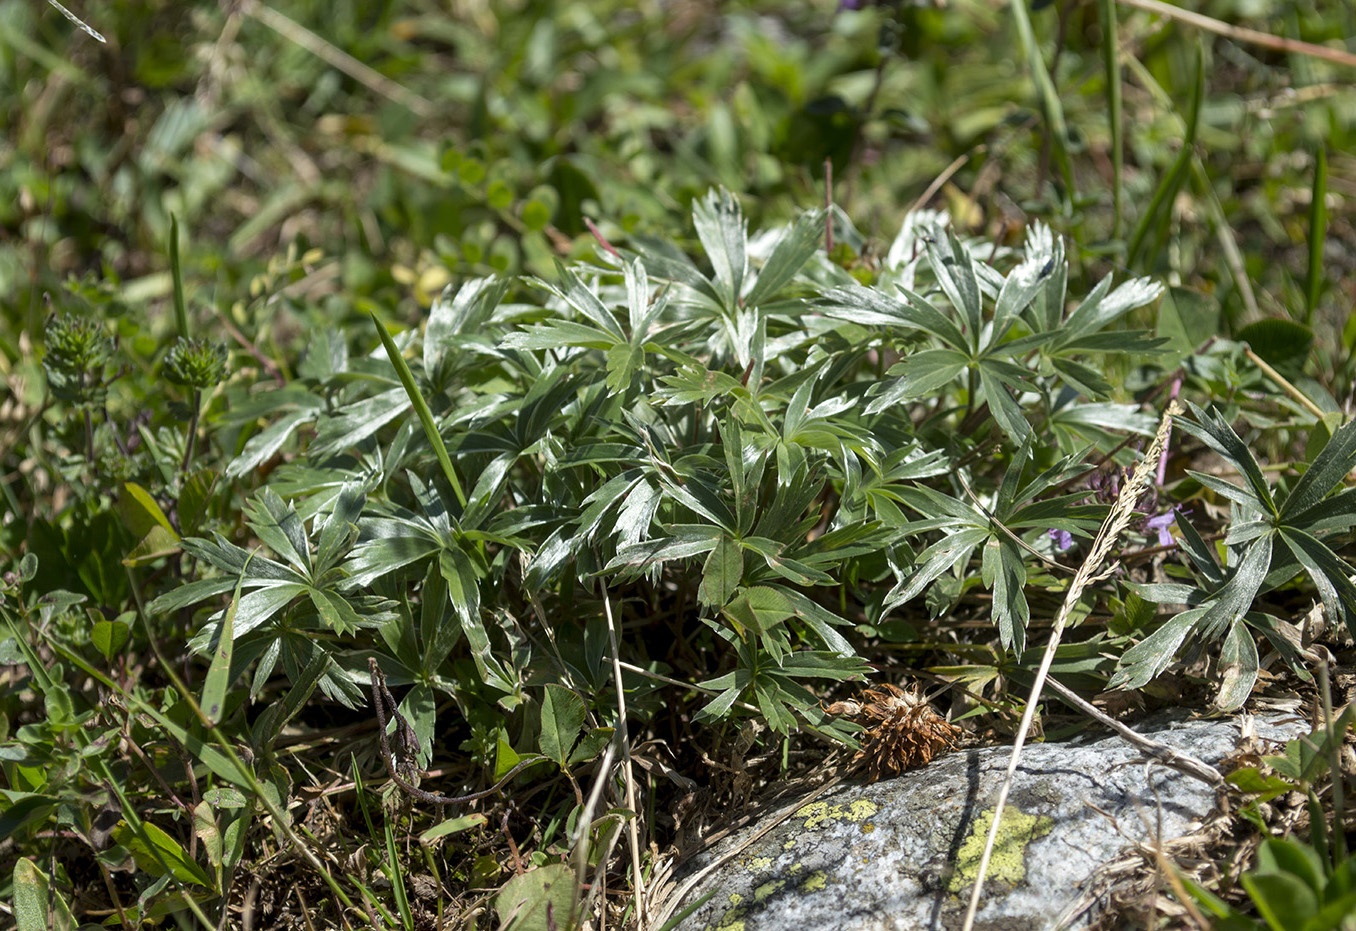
[421, 408]
[1318, 231]
[177, 274]
[1111, 60]
[219, 672]
[1051, 107]
[1159, 211]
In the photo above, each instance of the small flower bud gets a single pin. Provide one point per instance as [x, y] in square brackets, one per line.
[196, 363]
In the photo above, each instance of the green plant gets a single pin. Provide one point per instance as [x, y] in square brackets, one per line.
[1272, 538]
[1295, 885]
[648, 498]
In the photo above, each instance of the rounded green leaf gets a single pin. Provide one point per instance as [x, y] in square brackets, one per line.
[539, 900]
[1283, 344]
[536, 215]
[499, 195]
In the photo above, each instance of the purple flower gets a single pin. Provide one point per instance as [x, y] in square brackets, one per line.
[1063, 540]
[1160, 523]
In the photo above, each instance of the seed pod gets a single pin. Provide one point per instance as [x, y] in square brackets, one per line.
[902, 729]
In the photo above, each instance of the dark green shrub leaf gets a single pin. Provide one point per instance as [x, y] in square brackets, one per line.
[562, 720]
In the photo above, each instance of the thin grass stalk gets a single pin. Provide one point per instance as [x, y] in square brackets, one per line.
[177, 277]
[1339, 833]
[1160, 205]
[1122, 512]
[86, 27]
[421, 408]
[1051, 107]
[1283, 383]
[46, 686]
[1111, 59]
[1228, 241]
[638, 877]
[584, 830]
[1233, 255]
[1318, 231]
[1243, 33]
[223, 746]
[338, 59]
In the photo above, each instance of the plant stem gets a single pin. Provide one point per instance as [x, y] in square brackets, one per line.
[192, 431]
[1281, 380]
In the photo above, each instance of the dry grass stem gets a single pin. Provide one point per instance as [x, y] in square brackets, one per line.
[584, 832]
[1244, 34]
[1092, 570]
[1182, 762]
[337, 58]
[637, 876]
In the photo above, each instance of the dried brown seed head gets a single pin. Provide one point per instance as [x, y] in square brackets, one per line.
[902, 729]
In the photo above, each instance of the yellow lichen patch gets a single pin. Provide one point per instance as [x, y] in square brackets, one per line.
[861, 809]
[817, 881]
[790, 842]
[816, 814]
[733, 920]
[768, 889]
[756, 864]
[794, 868]
[1008, 861]
[869, 827]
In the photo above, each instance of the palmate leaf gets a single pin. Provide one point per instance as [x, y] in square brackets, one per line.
[559, 334]
[1330, 574]
[1222, 601]
[788, 257]
[759, 608]
[838, 546]
[919, 374]
[265, 444]
[463, 311]
[395, 537]
[793, 570]
[955, 270]
[665, 261]
[357, 421]
[871, 307]
[1005, 575]
[278, 526]
[722, 572]
[1235, 597]
[1329, 468]
[776, 690]
[682, 542]
[1082, 378]
[995, 382]
[724, 237]
[1211, 429]
[1146, 659]
[393, 544]
[254, 609]
[953, 549]
[1238, 667]
[463, 590]
[339, 530]
[1020, 288]
[1099, 308]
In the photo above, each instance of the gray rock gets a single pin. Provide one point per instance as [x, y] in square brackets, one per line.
[901, 854]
